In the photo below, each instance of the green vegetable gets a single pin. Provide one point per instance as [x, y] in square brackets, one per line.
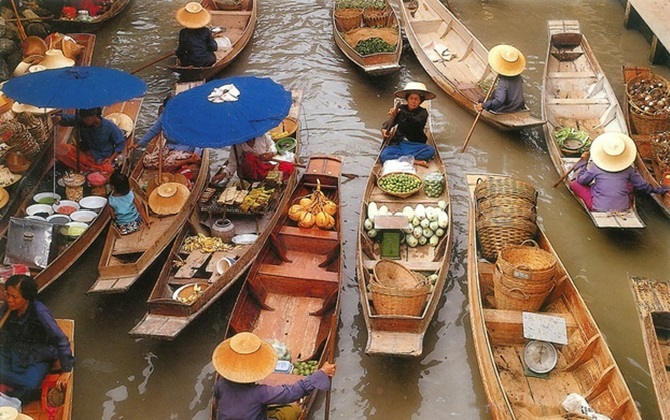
[562, 134]
[373, 45]
[400, 183]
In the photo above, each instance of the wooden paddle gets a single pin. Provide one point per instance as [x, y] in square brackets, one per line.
[479, 114]
[392, 127]
[152, 62]
[572, 168]
[19, 25]
[331, 358]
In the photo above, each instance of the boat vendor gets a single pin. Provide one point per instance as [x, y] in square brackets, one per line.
[410, 119]
[509, 63]
[607, 182]
[100, 141]
[196, 42]
[245, 359]
[252, 161]
[30, 341]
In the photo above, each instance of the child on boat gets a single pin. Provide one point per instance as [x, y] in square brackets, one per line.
[126, 211]
[509, 63]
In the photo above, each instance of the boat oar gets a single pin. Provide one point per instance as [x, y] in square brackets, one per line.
[569, 171]
[19, 26]
[152, 62]
[331, 357]
[479, 114]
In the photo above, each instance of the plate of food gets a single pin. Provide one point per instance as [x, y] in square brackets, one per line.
[7, 178]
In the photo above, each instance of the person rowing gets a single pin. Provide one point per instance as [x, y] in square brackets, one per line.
[509, 63]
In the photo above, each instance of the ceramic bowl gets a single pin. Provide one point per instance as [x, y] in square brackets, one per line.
[42, 210]
[58, 219]
[66, 206]
[48, 198]
[74, 229]
[93, 202]
[85, 216]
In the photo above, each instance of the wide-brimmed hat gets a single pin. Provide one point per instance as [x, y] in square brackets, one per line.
[168, 198]
[11, 413]
[193, 16]
[244, 358]
[34, 45]
[506, 60]
[415, 87]
[4, 197]
[613, 152]
[54, 59]
[70, 48]
[18, 107]
[123, 121]
[28, 61]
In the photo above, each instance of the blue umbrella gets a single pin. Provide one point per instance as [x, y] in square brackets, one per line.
[74, 87]
[190, 118]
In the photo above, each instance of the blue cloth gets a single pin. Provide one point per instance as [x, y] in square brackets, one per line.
[124, 208]
[508, 96]
[28, 346]
[609, 190]
[196, 47]
[103, 141]
[249, 401]
[171, 143]
[420, 151]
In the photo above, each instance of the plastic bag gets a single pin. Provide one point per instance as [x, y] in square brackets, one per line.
[283, 352]
[575, 403]
[433, 184]
[402, 164]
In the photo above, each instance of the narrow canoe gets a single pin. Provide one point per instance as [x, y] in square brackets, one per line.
[644, 163]
[167, 317]
[70, 25]
[434, 32]
[237, 29]
[292, 292]
[373, 64]
[36, 409]
[402, 335]
[652, 299]
[577, 94]
[585, 365]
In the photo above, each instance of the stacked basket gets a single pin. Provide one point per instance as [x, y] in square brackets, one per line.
[395, 290]
[649, 99]
[505, 214]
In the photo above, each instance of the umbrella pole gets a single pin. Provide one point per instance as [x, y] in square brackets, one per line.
[160, 158]
[53, 144]
[76, 137]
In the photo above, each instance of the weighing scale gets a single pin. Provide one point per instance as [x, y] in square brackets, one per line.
[539, 355]
[390, 228]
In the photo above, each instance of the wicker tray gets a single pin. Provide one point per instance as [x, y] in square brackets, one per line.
[507, 187]
[397, 194]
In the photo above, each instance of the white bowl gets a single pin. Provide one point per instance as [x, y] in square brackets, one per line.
[93, 202]
[67, 231]
[44, 195]
[34, 209]
[35, 218]
[85, 216]
[65, 203]
[59, 219]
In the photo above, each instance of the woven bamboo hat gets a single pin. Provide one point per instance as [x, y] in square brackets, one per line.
[123, 121]
[613, 152]
[54, 59]
[415, 87]
[193, 16]
[34, 45]
[507, 60]
[244, 358]
[168, 198]
[4, 197]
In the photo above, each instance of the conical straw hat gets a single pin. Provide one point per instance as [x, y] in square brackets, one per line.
[193, 16]
[506, 60]
[168, 198]
[613, 152]
[244, 358]
[415, 87]
[54, 59]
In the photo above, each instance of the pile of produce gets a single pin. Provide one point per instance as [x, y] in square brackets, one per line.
[305, 368]
[433, 184]
[314, 209]
[400, 183]
[386, 37]
[649, 95]
[563, 134]
[660, 147]
[374, 45]
[204, 244]
[282, 350]
[427, 224]
[257, 198]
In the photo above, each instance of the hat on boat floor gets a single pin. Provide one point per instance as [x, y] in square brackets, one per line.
[613, 152]
[123, 121]
[506, 60]
[28, 61]
[34, 45]
[168, 198]
[415, 87]
[244, 358]
[18, 107]
[54, 59]
[193, 16]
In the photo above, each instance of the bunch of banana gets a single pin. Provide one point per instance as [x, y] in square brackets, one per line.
[204, 244]
[279, 135]
[258, 197]
[228, 195]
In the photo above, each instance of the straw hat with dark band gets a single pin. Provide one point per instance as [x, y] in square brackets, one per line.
[613, 152]
[168, 198]
[193, 16]
[415, 87]
[507, 60]
[123, 121]
[244, 358]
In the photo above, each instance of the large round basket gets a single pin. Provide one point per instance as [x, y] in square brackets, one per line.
[503, 207]
[660, 151]
[348, 19]
[401, 194]
[376, 17]
[517, 298]
[396, 301]
[527, 263]
[388, 273]
[645, 122]
[503, 186]
[494, 234]
[286, 128]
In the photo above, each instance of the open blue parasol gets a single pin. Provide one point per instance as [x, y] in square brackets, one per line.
[191, 118]
[80, 87]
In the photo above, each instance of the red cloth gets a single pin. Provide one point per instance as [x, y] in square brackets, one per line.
[67, 154]
[252, 168]
[91, 5]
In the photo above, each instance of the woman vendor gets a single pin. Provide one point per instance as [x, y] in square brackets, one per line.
[245, 359]
[509, 63]
[410, 119]
[196, 42]
[30, 341]
[606, 183]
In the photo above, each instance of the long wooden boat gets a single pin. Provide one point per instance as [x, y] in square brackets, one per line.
[576, 94]
[644, 161]
[237, 28]
[585, 364]
[38, 410]
[652, 298]
[435, 35]
[166, 315]
[373, 64]
[292, 292]
[402, 335]
[94, 25]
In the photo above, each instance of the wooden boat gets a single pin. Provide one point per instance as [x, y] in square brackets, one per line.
[576, 94]
[402, 335]
[644, 161]
[237, 29]
[373, 64]
[652, 299]
[585, 364]
[166, 316]
[292, 292]
[39, 410]
[97, 23]
[455, 59]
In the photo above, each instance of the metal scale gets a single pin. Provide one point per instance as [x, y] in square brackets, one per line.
[390, 228]
[539, 355]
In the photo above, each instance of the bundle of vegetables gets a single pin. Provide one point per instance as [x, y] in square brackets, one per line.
[374, 45]
[563, 134]
[427, 224]
[204, 243]
[314, 209]
[433, 184]
[282, 350]
[305, 368]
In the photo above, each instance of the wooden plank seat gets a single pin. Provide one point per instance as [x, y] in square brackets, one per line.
[570, 74]
[311, 272]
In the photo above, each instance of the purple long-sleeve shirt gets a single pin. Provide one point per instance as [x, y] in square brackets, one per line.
[508, 96]
[609, 190]
[249, 401]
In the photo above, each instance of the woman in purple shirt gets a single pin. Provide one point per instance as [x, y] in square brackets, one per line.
[607, 183]
[242, 361]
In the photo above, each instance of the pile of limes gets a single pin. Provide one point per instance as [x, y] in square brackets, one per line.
[400, 183]
[305, 368]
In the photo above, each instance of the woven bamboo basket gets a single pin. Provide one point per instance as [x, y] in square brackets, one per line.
[527, 263]
[348, 19]
[494, 234]
[508, 187]
[399, 301]
[517, 298]
[389, 273]
[645, 122]
[376, 17]
[527, 213]
[401, 194]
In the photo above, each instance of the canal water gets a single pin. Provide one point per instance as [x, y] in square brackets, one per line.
[118, 377]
